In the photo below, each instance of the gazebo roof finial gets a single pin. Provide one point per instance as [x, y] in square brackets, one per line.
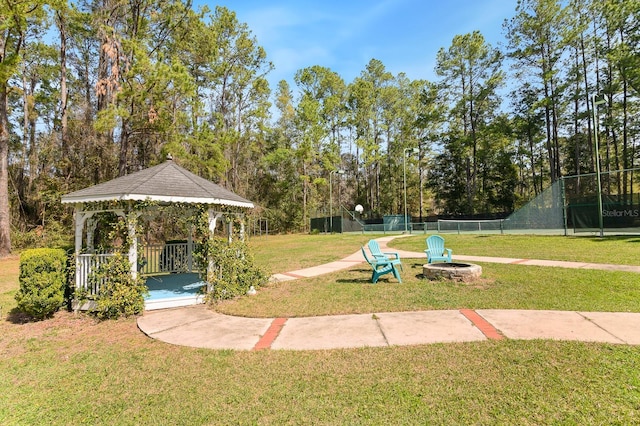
[169, 157]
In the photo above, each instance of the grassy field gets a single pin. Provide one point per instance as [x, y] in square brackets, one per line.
[9, 270]
[501, 287]
[282, 253]
[74, 370]
[621, 250]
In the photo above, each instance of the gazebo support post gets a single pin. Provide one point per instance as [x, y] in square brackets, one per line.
[213, 218]
[91, 229]
[80, 217]
[132, 222]
[190, 249]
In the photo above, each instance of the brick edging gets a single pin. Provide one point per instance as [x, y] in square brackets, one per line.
[272, 332]
[483, 325]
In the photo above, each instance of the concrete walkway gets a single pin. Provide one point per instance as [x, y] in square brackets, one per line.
[197, 326]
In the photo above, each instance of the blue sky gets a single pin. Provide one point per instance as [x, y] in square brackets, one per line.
[344, 35]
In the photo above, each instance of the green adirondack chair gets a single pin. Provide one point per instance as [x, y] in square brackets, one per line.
[381, 267]
[436, 251]
[376, 252]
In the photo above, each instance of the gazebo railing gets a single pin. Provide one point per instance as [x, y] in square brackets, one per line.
[85, 264]
[171, 257]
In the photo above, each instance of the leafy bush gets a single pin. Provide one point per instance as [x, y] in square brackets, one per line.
[53, 235]
[43, 279]
[234, 271]
[119, 294]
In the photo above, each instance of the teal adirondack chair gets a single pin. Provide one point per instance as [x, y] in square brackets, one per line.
[381, 267]
[376, 252]
[436, 252]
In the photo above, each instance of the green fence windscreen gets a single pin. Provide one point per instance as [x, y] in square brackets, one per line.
[546, 211]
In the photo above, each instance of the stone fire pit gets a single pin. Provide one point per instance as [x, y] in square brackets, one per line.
[464, 272]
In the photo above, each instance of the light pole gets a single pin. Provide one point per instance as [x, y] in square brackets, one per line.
[404, 179]
[597, 153]
[340, 172]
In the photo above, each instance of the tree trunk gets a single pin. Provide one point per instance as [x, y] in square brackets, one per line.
[625, 147]
[586, 91]
[625, 125]
[124, 150]
[64, 133]
[5, 218]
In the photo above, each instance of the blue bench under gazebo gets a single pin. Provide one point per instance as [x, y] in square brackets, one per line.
[164, 184]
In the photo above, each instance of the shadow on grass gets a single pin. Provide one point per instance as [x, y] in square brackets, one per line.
[363, 276]
[356, 276]
[621, 238]
[16, 316]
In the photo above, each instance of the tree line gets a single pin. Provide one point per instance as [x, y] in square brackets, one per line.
[92, 90]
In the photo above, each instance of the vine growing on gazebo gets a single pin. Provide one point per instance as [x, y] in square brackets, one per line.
[227, 266]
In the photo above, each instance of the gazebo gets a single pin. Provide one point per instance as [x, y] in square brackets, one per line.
[164, 184]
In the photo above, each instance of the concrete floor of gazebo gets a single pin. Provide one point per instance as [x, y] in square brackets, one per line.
[173, 290]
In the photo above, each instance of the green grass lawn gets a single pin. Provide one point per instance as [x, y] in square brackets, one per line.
[621, 250]
[501, 287]
[74, 370]
[283, 253]
[9, 270]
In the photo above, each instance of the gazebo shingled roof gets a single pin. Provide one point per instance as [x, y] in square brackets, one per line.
[166, 182]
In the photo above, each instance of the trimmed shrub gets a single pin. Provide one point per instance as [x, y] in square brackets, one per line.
[43, 279]
[119, 293]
